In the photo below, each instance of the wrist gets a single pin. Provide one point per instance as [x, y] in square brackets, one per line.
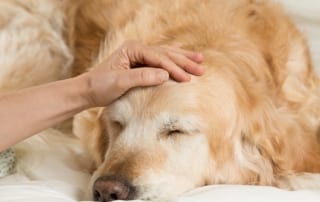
[84, 90]
[84, 84]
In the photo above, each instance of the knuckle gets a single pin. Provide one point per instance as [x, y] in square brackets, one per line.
[172, 56]
[133, 49]
[167, 54]
[145, 76]
[161, 63]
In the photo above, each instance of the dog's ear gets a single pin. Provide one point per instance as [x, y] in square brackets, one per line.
[276, 141]
[88, 128]
[261, 144]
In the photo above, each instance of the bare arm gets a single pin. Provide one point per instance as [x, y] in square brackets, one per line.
[28, 111]
[31, 110]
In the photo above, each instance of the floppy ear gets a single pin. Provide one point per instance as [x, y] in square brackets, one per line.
[276, 142]
[88, 128]
[259, 145]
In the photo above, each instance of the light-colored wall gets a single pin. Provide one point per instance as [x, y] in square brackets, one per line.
[306, 13]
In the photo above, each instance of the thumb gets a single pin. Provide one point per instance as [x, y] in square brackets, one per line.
[145, 77]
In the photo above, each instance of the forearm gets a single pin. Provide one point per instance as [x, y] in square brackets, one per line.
[28, 111]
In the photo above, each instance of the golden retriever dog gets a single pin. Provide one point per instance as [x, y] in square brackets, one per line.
[253, 118]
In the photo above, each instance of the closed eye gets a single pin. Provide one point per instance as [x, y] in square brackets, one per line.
[117, 125]
[174, 132]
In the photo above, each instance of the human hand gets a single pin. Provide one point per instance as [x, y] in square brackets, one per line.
[115, 75]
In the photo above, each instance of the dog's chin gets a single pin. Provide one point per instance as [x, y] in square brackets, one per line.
[149, 193]
[161, 191]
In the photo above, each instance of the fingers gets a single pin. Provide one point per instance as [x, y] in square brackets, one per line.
[187, 65]
[141, 77]
[196, 57]
[178, 62]
[178, 65]
[162, 60]
[176, 72]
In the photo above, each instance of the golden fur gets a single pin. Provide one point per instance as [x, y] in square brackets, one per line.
[33, 48]
[256, 109]
[253, 118]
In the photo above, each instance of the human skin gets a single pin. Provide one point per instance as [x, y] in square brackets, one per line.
[25, 112]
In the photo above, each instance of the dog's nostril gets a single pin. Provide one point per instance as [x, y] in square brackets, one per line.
[114, 196]
[110, 188]
[96, 196]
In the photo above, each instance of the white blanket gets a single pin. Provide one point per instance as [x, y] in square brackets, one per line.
[49, 171]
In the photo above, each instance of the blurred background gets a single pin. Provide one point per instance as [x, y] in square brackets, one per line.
[306, 14]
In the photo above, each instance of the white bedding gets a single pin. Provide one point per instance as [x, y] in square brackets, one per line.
[49, 171]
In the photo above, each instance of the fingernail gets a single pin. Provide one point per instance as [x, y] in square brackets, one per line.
[163, 76]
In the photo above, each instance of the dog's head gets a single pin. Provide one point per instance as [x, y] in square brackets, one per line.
[162, 141]
[156, 143]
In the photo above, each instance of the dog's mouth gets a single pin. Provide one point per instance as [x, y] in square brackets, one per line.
[110, 188]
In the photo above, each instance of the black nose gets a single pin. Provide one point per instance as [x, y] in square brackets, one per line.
[110, 188]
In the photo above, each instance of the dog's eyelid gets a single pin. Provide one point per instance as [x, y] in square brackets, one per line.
[175, 132]
[118, 123]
